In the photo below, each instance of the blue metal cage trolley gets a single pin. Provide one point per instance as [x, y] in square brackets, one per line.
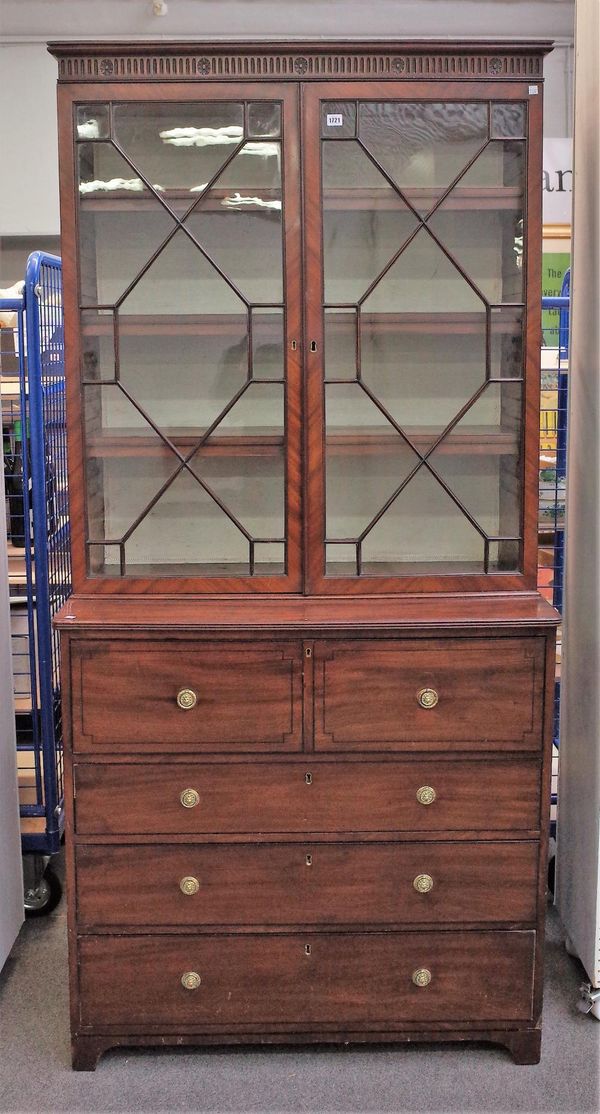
[39, 564]
[553, 472]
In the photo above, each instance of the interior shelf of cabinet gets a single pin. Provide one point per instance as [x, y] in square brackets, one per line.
[503, 321]
[226, 200]
[261, 441]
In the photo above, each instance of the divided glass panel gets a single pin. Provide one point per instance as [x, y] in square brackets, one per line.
[423, 234]
[182, 321]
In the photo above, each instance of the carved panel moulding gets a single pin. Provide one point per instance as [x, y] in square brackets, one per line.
[301, 62]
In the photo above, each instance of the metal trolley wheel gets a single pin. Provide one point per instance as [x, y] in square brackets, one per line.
[42, 891]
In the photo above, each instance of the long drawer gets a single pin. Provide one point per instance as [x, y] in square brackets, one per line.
[469, 693]
[220, 982]
[145, 695]
[312, 883]
[286, 797]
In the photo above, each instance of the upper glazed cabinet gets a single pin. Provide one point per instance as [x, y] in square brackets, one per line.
[306, 354]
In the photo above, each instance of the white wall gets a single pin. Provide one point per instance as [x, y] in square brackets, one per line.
[28, 141]
[28, 161]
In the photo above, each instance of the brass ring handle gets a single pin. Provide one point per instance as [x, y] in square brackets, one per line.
[423, 883]
[186, 699]
[189, 885]
[427, 698]
[426, 795]
[421, 977]
[189, 798]
[191, 980]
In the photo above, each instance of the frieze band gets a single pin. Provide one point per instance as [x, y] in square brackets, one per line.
[123, 63]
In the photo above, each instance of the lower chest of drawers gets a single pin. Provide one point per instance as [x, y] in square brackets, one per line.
[332, 884]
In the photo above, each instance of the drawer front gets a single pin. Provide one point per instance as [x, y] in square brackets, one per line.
[314, 884]
[483, 694]
[300, 980]
[125, 696]
[283, 797]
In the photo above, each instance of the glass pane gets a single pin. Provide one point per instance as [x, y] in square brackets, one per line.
[338, 119]
[508, 120]
[184, 407]
[264, 119]
[423, 146]
[184, 533]
[482, 224]
[366, 461]
[269, 558]
[480, 460]
[423, 281]
[240, 228]
[422, 532]
[423, 374]
[340, 337]
[429, 347]
[506, 344]
[92, 121]
[179, 146]
[364, 222]
[268, 359]
[504, 556]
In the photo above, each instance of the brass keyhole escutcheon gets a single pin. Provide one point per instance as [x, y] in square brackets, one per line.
[307, 949]
[308, 778]
[309, 860]
[421, 977]
[426, 795]
[191, 980]
[189, 885]
[427, 698]
[186, 699]
[423, 883]
[189, 798]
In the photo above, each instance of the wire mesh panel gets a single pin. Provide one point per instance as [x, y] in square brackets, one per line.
[553, 471]
[35, 466]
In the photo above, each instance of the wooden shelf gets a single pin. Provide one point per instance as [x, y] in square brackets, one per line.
[461, 198]
[138, 201]
[344, 199]
[151, 325]
[270, 442]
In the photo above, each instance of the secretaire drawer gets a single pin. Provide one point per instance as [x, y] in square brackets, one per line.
[271, 797]
[306, 883]
[221, 696]
[227, 981]
[465, 692]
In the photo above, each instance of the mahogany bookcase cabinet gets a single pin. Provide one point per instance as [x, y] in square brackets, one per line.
[307, 677]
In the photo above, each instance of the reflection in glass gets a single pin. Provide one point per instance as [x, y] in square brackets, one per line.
[423, 146]
[264, 119]
[180, 146]
[508, 120]
[92, 122]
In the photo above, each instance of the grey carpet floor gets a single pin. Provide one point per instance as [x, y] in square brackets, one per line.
[35, 1073]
